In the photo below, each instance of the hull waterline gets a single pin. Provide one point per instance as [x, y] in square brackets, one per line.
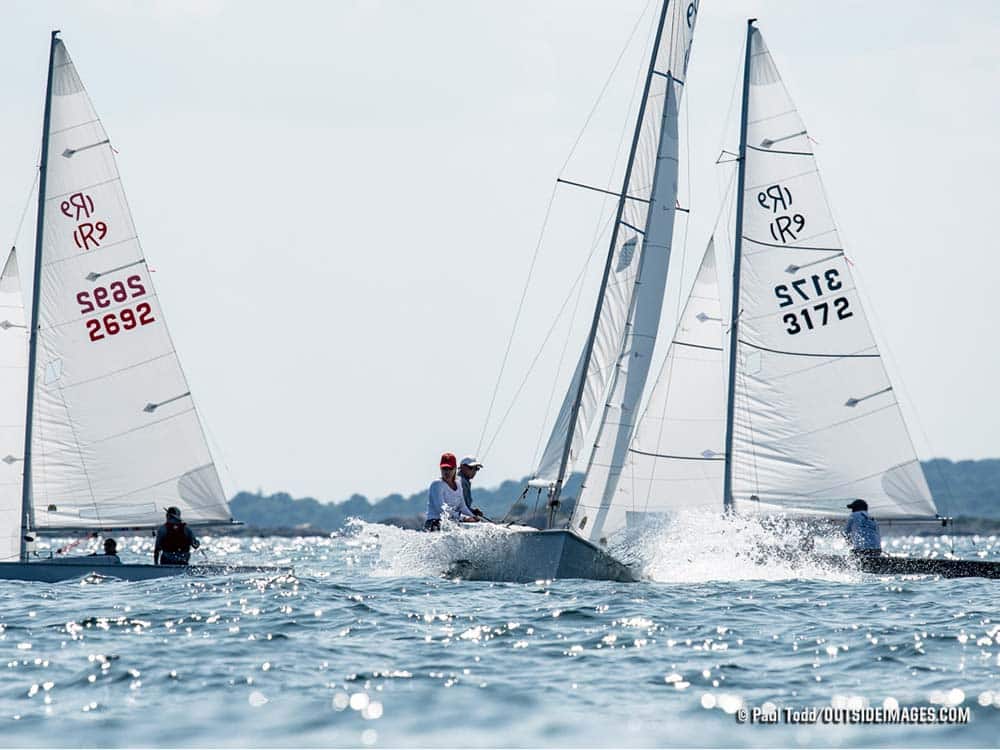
[908, 566]
[53, 572]
[541, 555]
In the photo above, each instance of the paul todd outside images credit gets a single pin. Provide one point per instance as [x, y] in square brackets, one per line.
[771, 714]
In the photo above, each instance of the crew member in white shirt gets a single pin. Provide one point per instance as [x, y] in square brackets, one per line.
[445, 498]
[862, 531]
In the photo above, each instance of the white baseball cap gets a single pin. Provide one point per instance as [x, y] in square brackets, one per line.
[470, 461]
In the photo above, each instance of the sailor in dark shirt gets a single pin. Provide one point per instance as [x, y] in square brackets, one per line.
[174, 541]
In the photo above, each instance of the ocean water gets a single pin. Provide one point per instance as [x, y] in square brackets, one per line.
[367, 644]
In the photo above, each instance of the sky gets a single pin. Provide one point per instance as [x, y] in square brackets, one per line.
[341, 201]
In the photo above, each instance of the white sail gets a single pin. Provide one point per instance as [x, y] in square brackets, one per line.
[816, 419]
[13, 384]
[115, 434]
[675, 460]
[643, 242]
[655, 179]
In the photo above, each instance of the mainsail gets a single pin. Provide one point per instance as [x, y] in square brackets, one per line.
[115, 435]
[13, 381]
[628, 314]
[675, 460]
[655, 178]
[816, 420]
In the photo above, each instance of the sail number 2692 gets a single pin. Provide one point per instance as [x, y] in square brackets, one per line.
[811, 289]
[123, 318]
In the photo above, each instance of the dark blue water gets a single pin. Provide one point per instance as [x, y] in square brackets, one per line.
[366, 646]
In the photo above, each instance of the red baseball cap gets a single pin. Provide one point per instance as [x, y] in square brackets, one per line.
[448, 461]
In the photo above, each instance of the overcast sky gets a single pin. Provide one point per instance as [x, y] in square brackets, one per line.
[341, 201]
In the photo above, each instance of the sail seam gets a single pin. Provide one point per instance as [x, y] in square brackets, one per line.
[74, 127]
[778, 151]
[697, 346]
[810, 354]
[839, 250]
[677, 458]
[116, 178]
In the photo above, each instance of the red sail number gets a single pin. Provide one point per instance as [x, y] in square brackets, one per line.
[115, 292]
[125, 319]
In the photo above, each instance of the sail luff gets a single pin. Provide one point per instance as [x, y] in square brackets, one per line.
[613, 245]
[734, 315]
[27, 509]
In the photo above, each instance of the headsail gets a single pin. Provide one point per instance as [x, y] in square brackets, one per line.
[13, 380]
[675, 460]
[654, 179]
[642, 241]
[115, 436]
[816, 419]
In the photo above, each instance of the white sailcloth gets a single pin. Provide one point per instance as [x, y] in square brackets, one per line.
[645, 229]
[675, 460]
[654, 178]
[816, 419]
[13, 384]
[115, 434]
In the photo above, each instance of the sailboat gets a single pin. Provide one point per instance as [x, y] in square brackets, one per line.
[783, 408]
[99, 433]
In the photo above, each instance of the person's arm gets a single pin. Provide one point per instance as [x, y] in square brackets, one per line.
[192, 539]
[157, 547]
[435, 499]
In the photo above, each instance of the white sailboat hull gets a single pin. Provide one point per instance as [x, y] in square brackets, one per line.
[54, 572]
[542, 555]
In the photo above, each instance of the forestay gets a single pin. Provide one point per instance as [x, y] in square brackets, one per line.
[644, 228]
[13, 382]
[115, 434]
[816, 418]
[655, 178]
[675, 460]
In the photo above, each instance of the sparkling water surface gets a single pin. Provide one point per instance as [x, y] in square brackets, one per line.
[367, 644]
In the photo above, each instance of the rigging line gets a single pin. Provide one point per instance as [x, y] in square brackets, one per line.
[24, 211]
[555, 381]
[604, 88]
[517, 317]
[541, 348]
[600, 226]
[548, 210]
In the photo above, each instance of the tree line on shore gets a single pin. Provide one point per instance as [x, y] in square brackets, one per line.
[969, 491]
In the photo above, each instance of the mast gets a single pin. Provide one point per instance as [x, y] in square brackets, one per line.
[734, 316]
[27, 512]
[589, 347]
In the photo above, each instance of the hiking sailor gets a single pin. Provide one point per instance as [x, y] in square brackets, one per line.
[174, 541]
[467, 470]
[444, 498]
[862, 530]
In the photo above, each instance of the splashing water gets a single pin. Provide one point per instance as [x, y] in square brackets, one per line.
[695, 547]
[395, 552]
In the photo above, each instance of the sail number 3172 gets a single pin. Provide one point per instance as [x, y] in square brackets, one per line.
[810, 289]
[123, 318]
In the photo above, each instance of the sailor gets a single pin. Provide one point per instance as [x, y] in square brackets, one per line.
[467, 470]
[444, 499]
[862, 531]
[110, 552]
[174, 541]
